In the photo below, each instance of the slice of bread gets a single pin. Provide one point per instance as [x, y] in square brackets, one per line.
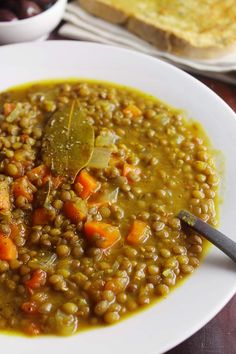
[195, 28]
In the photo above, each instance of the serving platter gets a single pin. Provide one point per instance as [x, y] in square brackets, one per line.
[167, 323]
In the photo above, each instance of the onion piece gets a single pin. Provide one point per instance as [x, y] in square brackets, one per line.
[106, 138]
[45, 261]
[105, 197]
[100, 158]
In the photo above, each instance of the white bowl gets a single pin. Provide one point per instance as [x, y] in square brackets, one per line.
[203, 294]
[32, 28]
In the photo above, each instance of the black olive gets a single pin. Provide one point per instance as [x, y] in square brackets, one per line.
[45, 4]
[7, 15]
[28, 9]
[12, 5]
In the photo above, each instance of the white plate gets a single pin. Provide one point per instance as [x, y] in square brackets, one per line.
[191, 305]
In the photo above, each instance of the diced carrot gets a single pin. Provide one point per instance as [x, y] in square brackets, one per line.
[41, 216]
[88, 183]
[8, 108]
[23, 187]
[106, 233]
[132, 110]
[29, 307]
[4, 196]
[139, 233]
[39, 172]
[130, 168]
[43, 174]
[32, 329]
[8, 250]
[75, 210]
[37, 280]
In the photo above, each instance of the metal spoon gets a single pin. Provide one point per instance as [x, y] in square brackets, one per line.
[221, 241]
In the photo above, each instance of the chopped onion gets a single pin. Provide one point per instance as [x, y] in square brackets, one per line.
[109, 197]
[106, 138]
[21, 109]
[15, 113]
[106, 197]
[112, 196]
[45, 261]
[100, 158]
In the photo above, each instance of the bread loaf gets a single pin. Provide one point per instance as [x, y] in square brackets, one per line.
[195, 28]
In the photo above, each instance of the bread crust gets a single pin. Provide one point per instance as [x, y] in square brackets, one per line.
[105, 11]
[163, 39]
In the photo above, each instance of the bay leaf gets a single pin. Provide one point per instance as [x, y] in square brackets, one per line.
[68, 141]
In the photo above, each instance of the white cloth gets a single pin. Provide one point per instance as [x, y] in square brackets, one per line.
[84, 26]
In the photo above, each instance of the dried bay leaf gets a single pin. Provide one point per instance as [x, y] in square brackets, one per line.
[68, 141]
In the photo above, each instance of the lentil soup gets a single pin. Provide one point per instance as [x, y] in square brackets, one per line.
[92, 176]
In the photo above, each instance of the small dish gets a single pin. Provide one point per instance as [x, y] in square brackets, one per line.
[32, 28]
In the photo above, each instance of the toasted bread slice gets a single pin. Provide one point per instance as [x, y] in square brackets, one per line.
[195, 28]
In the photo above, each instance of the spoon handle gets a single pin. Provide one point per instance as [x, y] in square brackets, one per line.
[221, 241]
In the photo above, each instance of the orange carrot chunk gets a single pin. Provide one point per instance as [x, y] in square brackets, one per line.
[8, 250]
[37, 280]
[106, 234]
[132, 110]
[41, 216]
[87, 182]
[139, 233]
[39, 172]
[42, 173]
[75, 210]
[4, 196]
[23, 187]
